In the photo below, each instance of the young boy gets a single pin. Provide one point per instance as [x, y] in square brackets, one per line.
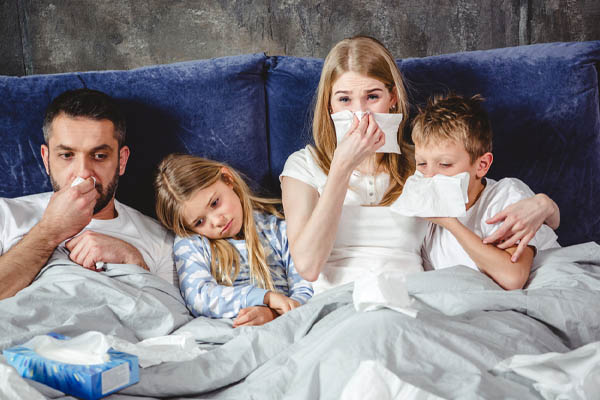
[453, 135]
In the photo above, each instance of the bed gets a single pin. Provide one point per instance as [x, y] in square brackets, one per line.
[544, 105]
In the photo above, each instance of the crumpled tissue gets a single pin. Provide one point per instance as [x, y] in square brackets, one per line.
[372, 380]
[79, 180]
[574, 375]
[89, 348]
[156, 350]
[388, 123]
[437, 196]
[374, 291]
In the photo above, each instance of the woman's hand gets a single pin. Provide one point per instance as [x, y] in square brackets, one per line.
[254, 316]
[522, 220]
[279, 302]
[361, 141]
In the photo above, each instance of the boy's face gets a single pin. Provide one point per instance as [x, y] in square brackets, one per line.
[450, 158]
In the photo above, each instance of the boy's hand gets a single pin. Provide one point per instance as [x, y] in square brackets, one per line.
[254, 316]
[279, 302]
[444, 222]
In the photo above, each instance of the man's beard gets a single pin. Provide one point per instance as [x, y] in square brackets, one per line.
[105, 196]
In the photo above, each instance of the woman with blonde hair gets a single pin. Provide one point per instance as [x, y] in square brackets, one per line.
[335, 193]
[231, 250]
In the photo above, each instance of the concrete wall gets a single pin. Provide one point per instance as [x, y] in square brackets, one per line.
[42, 36]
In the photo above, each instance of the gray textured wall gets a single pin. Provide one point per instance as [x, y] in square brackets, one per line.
[41, 36]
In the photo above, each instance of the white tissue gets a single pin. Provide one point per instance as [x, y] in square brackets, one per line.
[79, 180]
[388, 123]
[382, 290]
[372, 380]
[438, 196]
[571, 375]
[89, 348]
[160, 349]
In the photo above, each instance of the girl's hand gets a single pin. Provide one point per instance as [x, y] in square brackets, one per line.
[279, 302]
[361, 141]
[254, 316]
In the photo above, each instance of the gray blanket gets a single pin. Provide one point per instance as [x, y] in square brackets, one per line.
[466, 324]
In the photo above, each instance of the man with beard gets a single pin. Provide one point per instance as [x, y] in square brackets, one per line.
[84, 155]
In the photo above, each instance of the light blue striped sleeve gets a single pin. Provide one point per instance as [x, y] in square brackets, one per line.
[300, 289]
[201, 292]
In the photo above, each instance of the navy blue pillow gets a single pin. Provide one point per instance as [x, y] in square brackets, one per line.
[213, 108]
[542, 100]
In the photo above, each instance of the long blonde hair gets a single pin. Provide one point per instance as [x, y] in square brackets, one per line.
[366, 56]
[179, 177]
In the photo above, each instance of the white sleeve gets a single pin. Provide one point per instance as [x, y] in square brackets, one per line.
[165, 267]
[300, 165]
[508, 191]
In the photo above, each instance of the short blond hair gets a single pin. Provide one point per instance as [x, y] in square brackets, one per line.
[454, 118]
[179, 176]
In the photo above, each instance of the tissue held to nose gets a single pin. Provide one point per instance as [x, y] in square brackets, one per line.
[438, 196]
[388, 123]
[79, 180]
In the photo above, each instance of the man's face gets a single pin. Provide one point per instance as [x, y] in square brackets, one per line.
[83, 147]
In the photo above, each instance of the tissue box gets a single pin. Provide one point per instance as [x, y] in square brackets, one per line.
[85, 381]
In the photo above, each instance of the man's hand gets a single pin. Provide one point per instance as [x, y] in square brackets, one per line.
[279, 302]
[69, 210]
[254, 316]
[91, 247]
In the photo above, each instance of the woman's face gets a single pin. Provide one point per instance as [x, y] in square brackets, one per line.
[356, 92]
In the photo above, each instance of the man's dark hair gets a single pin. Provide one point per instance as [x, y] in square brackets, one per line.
[86, 103]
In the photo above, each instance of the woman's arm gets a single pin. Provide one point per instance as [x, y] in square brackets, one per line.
[494, 262]
[522, 220]
[312, 220]
[299, 289]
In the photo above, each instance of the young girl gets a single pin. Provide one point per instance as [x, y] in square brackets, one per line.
[231, 250]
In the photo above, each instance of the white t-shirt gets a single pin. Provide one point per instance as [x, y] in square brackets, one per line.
[155, 243]
[368, 238]
[442, 250]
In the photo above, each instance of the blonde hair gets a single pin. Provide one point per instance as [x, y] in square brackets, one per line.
[366, 56]
[457, 119]
[179, 177]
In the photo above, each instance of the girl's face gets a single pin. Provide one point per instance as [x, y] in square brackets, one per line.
[214, 212]
[356, 92]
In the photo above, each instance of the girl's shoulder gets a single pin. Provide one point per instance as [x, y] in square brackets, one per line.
[265, 220]
[195, 241]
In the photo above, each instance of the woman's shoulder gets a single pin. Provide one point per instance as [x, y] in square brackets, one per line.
[302, 158]
[302, 165]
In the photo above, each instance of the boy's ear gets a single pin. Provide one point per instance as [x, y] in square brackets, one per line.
[226, 176]
[483, 164]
